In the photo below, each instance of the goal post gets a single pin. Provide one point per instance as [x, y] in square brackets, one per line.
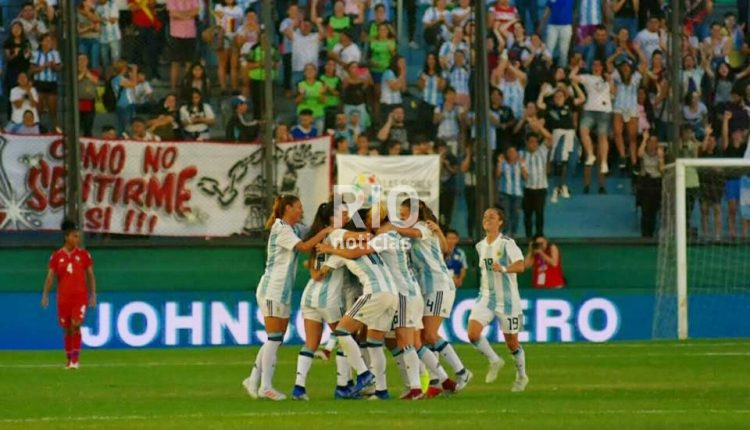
[707, 268]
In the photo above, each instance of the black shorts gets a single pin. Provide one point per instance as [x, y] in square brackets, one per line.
[181, 50]
[45, 87]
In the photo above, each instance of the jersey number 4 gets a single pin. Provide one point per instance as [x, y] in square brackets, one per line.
[69, 269]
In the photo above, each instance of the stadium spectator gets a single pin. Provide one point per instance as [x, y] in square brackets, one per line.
[502, 120]
[356, 83]
[511, 80]
[431, 84]
[228, 17]
[17, 53]
[695, 113]
[545, 259]
[240, 128]
[147, 26]
[393, 82]
[111, 35]
[23, 97]
[140, 133]
[448, 188]
[183, 35]
[734, 145]
[46, 64]
[257, 73]
[27, 126]
[382, 55]
[33, 28]
[535, 180]
[448, 119]
[281, 133]
[437, 21]
[625, 121]
[559, 13]
[247, 37]
[197, 117]
[395, 128]
[306, 127]
[143, 93]
[87, 94]
[591, 15]
[651, 157]
[341, 130]
[345, 52]
[626, 15]
[449, 49]
[166, 123]
[196, 78]
[509, 173]
[305, 47]
[455, 258]
[311, 95]
[688, 147]
[393, 148]
[363, 145]
[711, 189]
[109, 132]
[601, 48]
[333, 87]
[286, 31]
[89, 32]
[122, 86]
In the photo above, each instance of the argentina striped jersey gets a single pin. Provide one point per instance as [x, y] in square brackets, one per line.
[396, 258]
[500, 290]
[281, 264]
[427, 257]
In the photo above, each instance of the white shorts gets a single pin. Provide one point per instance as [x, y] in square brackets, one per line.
[439, 303]
[409, 312]
[627, 114]
[510, 324]
[322, 315]
[352, 291]
[375, 310]
[272, 308]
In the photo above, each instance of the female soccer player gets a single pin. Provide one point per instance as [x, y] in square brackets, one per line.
[408, 318]
[438, 289]
[274, 292]
[72, 266]
[374, 309]
[500, 260]
[323, 301]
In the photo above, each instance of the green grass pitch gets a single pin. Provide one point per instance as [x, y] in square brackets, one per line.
[648, 385]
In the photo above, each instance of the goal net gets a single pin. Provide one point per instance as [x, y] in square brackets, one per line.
[703, 273]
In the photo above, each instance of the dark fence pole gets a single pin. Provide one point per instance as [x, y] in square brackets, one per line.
[484, 156]
[71, 124]
[268, 143]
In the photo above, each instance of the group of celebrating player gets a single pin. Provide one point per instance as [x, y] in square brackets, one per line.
[381, 284]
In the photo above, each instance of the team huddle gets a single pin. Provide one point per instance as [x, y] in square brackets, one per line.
[379, 282]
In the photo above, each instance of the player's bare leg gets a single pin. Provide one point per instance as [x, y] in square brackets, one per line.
[484, 348]
[522, 380]
[440, 346]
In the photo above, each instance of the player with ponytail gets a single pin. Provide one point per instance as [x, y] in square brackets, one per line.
[274, 292]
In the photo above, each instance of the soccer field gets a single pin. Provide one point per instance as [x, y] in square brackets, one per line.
[647, 385]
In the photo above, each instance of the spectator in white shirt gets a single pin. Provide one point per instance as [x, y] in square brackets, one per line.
[23, 97]
[345, 52]
[305, 47]
[197, 117]
[650, 39]
[27, 127]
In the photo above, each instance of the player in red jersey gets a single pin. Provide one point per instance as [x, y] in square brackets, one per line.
[71, 265]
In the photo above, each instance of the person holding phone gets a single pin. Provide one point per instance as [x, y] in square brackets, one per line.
[546, 263]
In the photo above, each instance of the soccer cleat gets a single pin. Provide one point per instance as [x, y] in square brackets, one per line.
[463, 379]
[380, 395]
[432, 392]
[493, 371]
[323, 354]
[251, 387]
[555, 196]
[299, 393]
[520, 384]
[73, 365]
[272, 394]
[342, 393]
[564, 192]
[449, 386]
[590, 160]
[605, 168]
[414, 394]
[364, 381]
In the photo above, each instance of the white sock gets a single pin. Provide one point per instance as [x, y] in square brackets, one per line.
[485, 349]
[257, 367]
[304, 361]
[430, 361]
[352, 352]
[398, 357]
[520, 358]
[343, 370]
[365, 354]
[377, 364]
[449, 354]
[411, 363]
[331, 343]
[268, 363]
[422, 367]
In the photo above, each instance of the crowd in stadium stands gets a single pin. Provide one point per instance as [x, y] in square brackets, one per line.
[569, 81]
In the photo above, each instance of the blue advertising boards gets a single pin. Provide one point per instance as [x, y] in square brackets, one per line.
[194, 319]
